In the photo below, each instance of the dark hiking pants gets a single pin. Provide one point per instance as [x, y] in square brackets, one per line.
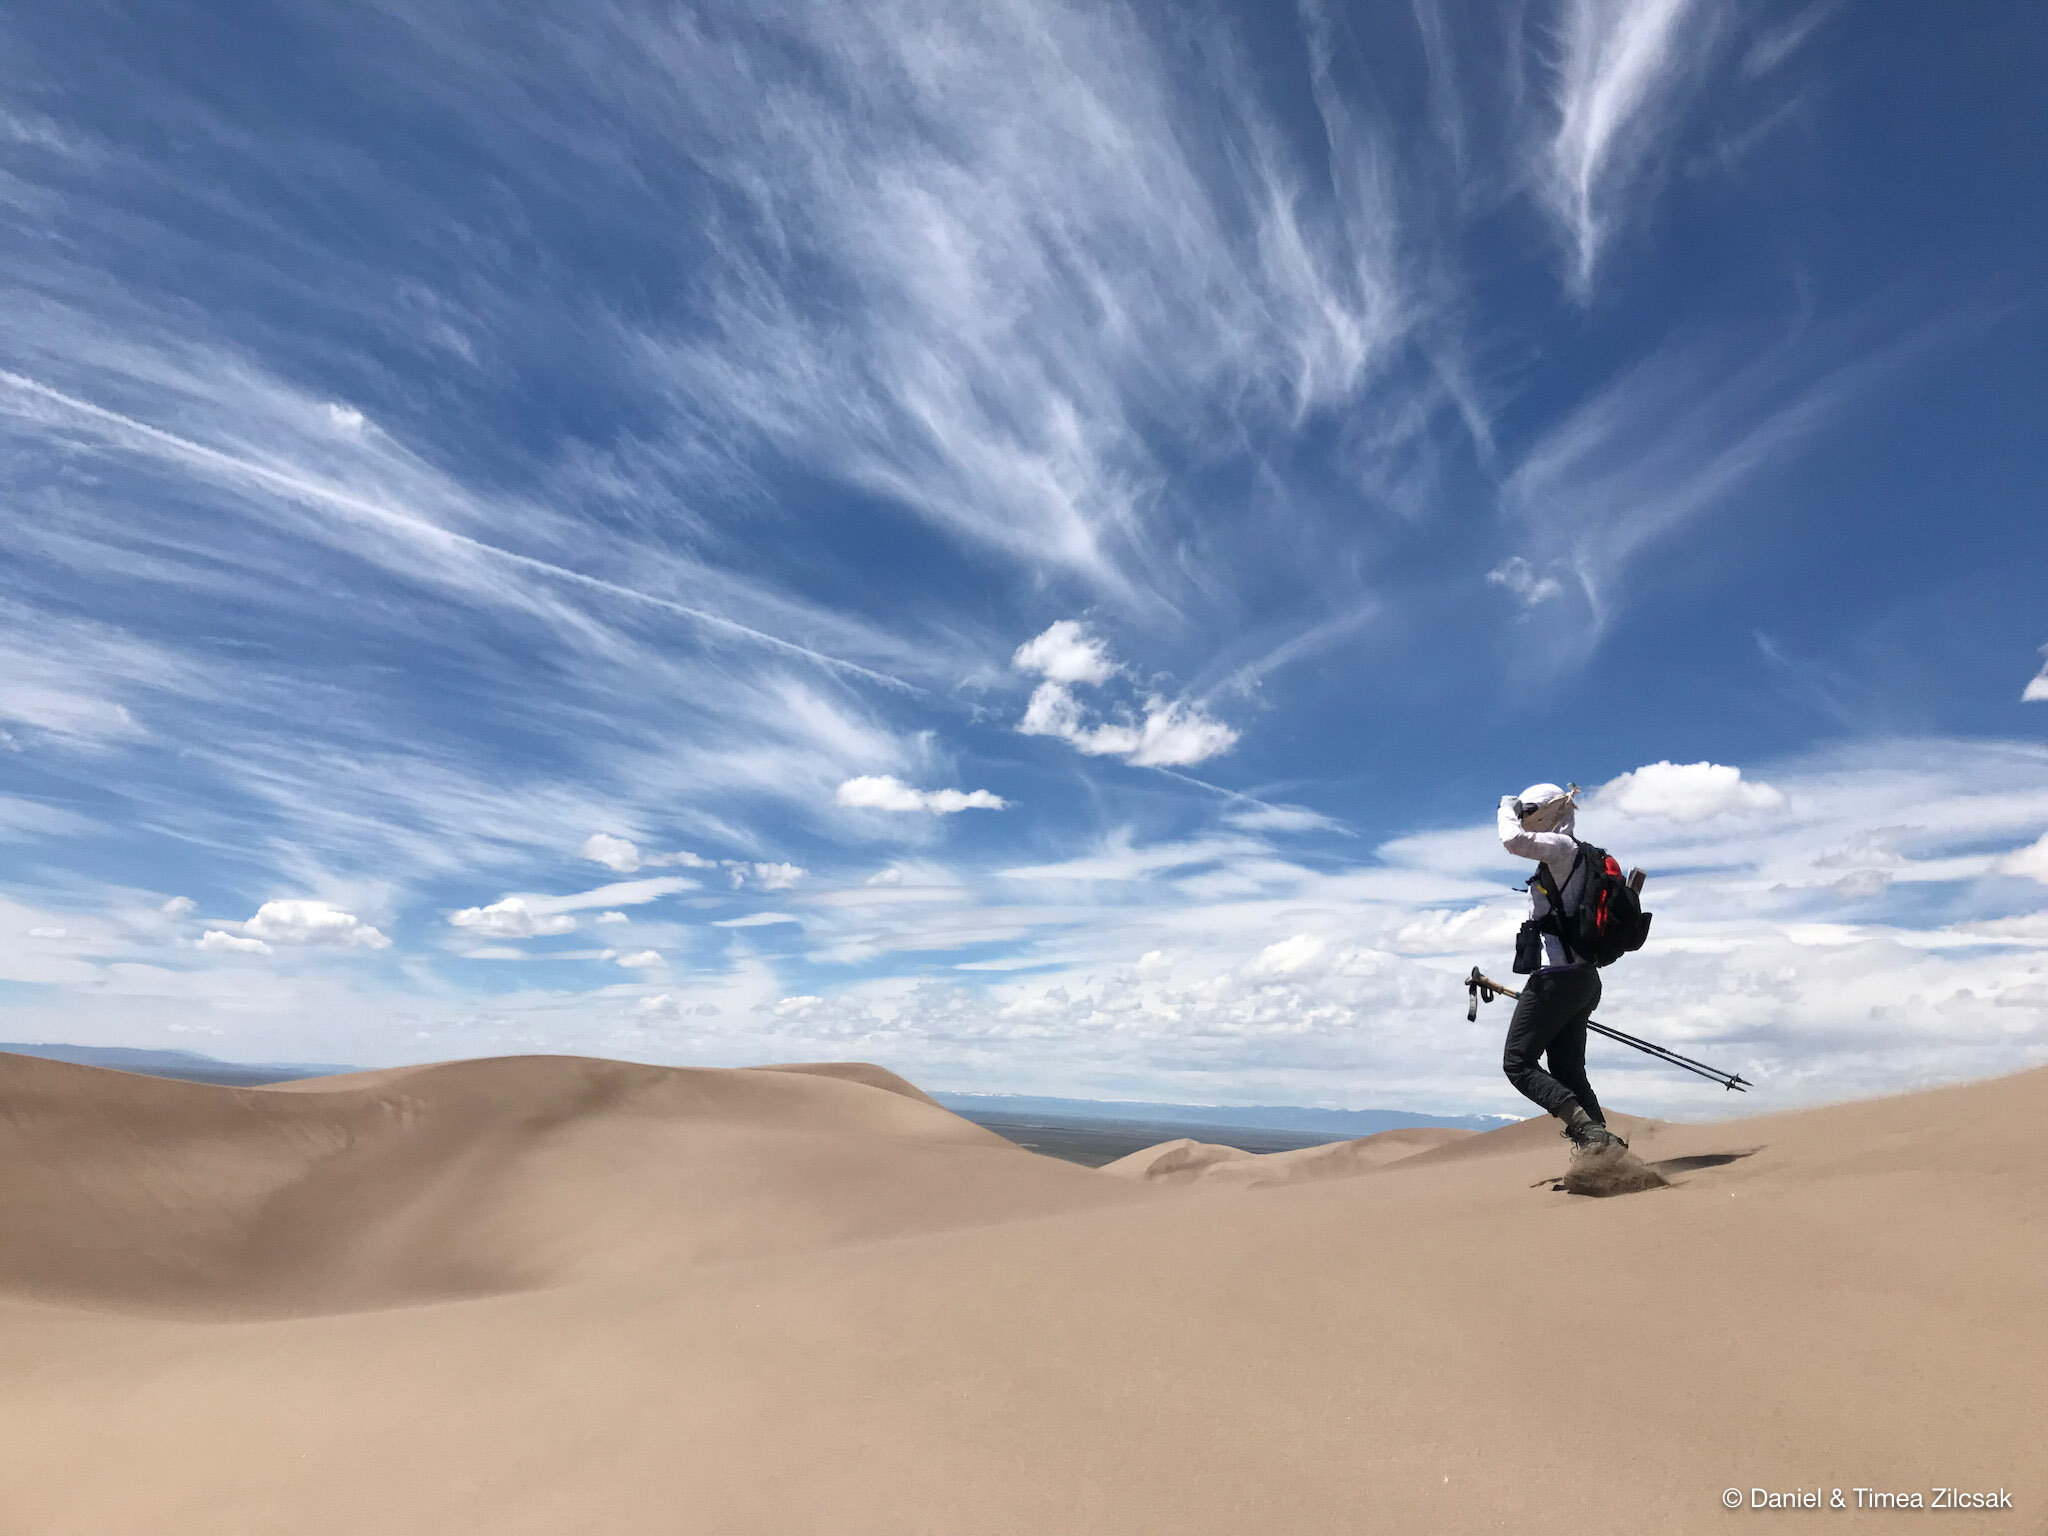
[1551, 1019]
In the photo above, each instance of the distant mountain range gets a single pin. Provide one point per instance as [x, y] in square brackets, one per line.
[187, 1066]
[1345, 1123]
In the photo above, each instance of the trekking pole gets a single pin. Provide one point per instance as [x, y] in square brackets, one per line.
[1480, 988]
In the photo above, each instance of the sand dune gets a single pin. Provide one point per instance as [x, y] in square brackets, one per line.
[1185, 1161]
[547, 1295]
[473, 1178]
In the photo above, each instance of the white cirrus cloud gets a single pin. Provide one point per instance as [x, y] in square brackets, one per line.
[511, 918]
[885, 792]
[312, 922]
[1518, 576]
[757, 920]
[1623, 69]
[1067, 652]
[619, 893]
[231, 943]
[1686, 792]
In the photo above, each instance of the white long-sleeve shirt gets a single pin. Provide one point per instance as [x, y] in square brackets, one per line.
[1559, 852]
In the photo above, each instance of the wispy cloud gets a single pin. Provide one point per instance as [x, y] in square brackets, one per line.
[1039, 269]
[1622, 72]
[1667, 441]
[399, 536]
[1774, 45]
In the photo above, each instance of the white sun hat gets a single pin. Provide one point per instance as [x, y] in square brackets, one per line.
[1546, 807]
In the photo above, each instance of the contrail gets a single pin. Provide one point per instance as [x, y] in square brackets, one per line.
[418, 527]
[1238, 794]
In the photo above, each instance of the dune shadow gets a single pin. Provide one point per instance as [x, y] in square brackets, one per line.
[1616, 1171]
[1671, 1165]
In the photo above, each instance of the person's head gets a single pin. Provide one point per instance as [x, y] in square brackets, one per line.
[1547, 808]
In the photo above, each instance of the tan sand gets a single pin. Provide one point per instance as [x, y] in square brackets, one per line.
[556, 1295]
[1185, 1161]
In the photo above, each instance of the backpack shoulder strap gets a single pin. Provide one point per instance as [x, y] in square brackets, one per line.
[1553, 893]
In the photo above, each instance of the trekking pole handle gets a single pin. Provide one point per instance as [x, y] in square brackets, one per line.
[1479, 988]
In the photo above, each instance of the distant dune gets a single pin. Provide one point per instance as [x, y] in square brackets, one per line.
[555, 1295]
[1185, 1161]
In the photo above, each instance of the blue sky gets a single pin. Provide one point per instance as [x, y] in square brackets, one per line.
[1023, 543]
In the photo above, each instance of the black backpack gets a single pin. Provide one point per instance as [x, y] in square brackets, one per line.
[1609, 922]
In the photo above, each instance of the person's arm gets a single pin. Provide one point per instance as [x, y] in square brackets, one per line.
[1551, 847]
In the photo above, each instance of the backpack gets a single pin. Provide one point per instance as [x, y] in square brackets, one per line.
[1609, 921]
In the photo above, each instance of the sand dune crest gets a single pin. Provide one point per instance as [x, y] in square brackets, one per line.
[472, 1178]
[1184, 1161]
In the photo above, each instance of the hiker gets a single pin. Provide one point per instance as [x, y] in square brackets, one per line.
[1563, 987]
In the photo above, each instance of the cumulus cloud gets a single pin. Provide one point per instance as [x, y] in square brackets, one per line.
[665, 1006]
[511, 918]
[525, 914]
[613, 852]
[641, 960]
[613, 917]
[232, 943]
[1686, 792]
[624, 855]
[1165, 733]
[2030, 862]
[1066, 653]
[1170, 733]
[178, 906]
[312, 922]
[2036, 692]
[1454, 933]
[764, 876]
[885, 792]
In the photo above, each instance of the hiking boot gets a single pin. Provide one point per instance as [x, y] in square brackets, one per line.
[1587, 1134]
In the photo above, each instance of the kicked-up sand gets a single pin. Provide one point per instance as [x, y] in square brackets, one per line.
[555, 1295]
